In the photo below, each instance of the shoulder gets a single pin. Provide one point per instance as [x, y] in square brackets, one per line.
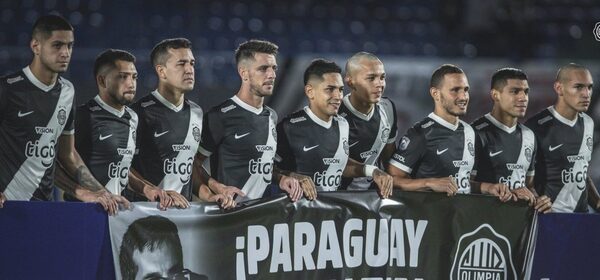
[540, 119]
[144, 103]
[12, 79]
[296, 118]
[480, 124]
[65, 83]
[223, 108]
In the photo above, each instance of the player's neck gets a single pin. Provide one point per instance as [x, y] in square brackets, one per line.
[172, 95]
[361, 106]
[452, 119]
[503, 117]
[110, 102]
[250, 99]
[566, 111]
[322, 116]
[43, 74]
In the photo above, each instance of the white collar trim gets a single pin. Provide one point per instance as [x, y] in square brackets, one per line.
[247, 106]
[562, 119]
[316, 119]
[443, 122]
[37, 82]
[500, 125]
[166, 102]
[353, 110]
[109, 108]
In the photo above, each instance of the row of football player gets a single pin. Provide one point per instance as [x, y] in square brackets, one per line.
[316, 146]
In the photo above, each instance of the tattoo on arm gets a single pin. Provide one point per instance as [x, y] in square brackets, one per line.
[84, 177]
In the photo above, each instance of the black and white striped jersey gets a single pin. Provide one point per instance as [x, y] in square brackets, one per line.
[504, 154]
[241, 141]
[32, 117]
[435, 148]
[563, 156]
[310, 146]
[167, 141]
[368, 136]
[105, 139]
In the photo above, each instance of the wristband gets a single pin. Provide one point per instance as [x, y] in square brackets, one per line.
[369, 169]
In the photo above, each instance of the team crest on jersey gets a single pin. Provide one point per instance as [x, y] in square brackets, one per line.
[483, 254]
[528, 154]
[62, 115]
[471, 148]
[196, 133]
[589, 143]
[385, 134]
[404, 143]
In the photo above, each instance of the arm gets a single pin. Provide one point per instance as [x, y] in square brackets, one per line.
[87, 188]
[403, 181]
[500, 190]
[153, 193]
[386, 154]
[294, 184]
[593, 197]
[384, 181]
[542, 204]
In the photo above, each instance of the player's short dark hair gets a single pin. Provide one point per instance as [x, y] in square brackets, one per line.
[320, 67]
[109, 58]
[561, 74]
[438, 75]
[160, 52]
[148, 233]
[44, 26]
[501, 77]
[246, 50]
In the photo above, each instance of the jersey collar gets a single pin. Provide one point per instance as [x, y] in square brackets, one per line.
[36, 82]
[108, 107]
[166, 102]
[247, 106]
[500, 125]
[562, 119]
[355, 112]
[443, 122]
[316, 119]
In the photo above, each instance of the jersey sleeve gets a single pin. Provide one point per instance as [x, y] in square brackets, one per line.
[83, 133]
[410, 151]
[531, 169]
[394, 128]
[480, 152]
[70, 124]
[284, 155]
[3, 101]
[212, 133]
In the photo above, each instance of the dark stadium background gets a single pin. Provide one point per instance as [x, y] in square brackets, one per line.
[411, 37]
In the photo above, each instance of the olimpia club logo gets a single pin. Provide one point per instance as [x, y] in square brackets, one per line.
[483, 254]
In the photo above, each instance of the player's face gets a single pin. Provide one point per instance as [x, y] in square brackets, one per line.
[121, 82]
[179, 69]
[454, 94]
[156, 264]
[513, 98]
[262, 74]
[326, 96]
[55, 51]
[368, 81]
[577, 90]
